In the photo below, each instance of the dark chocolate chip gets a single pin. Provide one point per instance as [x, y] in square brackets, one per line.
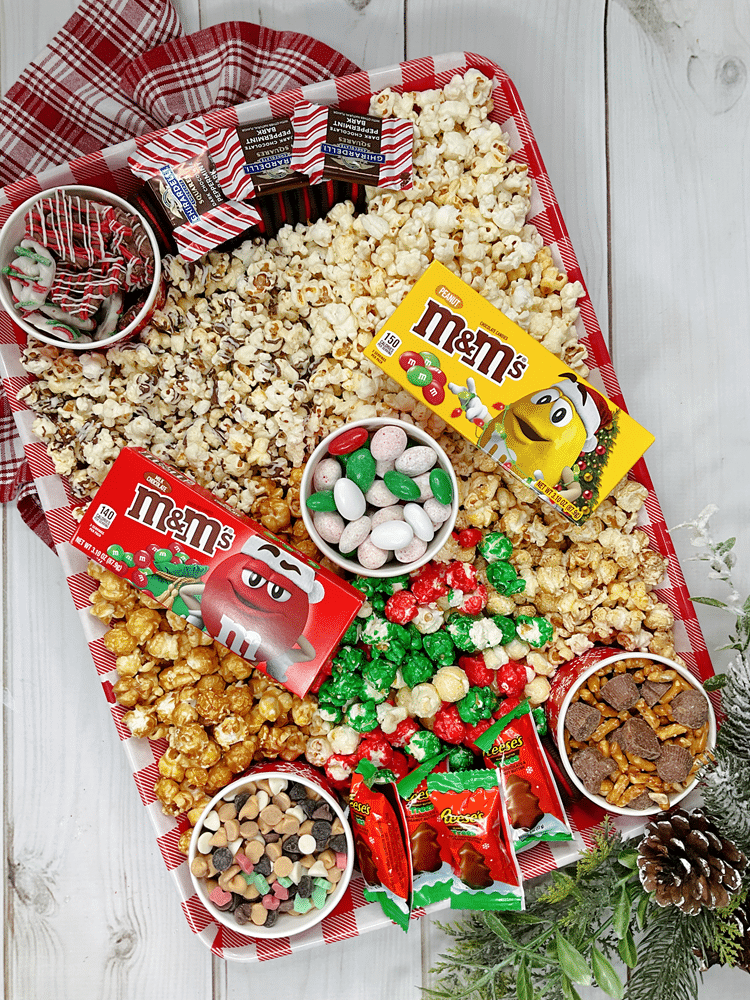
[242, 913]
[296, 792]
[264, 866]
[308, 807]
[285, 906]
[222, 858]
[271, 837]
[305, 887]
[290, 846]
[271, 918]
[337, 843]
[323, 811]
[240, 800]
[321, 830]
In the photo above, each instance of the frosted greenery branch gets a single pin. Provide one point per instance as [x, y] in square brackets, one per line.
[580, 917]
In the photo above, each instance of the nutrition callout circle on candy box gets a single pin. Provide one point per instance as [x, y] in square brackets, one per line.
[504, 392]
[220, 570]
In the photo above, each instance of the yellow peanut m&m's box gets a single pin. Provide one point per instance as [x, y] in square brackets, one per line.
[514, 399]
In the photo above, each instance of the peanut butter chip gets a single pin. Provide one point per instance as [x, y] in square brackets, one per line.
[232, 830]
[250, 809]
[199, 867]
[282, 867]
[271, 815]
[219, 839]
[288, 825]
[255, 850]
[249, 829]
[258, 914]
[227, 811]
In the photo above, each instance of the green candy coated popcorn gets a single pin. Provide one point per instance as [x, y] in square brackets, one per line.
[379, 672]
[460, 759]
[441, 486]
[504, 578]
[341, 688]
[535, 631]
[360, 468]
[540, 719]
[390, 586]
[362, 716]
[507, 626]
[440, 648]
[322, 500]
[459, 628]
[330, 712]
[402, 486]
[366, 585]
[378, 603]
[349, 660]
[417, 669]
[495, 546]
[423, 744]
[351, 636]
[478, 703]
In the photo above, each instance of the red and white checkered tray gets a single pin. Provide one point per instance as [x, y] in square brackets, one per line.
[108, 169]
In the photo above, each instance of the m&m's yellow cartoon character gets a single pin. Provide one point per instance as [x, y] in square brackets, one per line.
[542, 434]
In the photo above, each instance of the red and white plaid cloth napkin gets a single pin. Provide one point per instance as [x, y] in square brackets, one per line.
[125, 68]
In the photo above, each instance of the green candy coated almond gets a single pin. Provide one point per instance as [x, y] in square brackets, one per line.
[441, 486]
[360, 468]
[401, 486]
[322, 500]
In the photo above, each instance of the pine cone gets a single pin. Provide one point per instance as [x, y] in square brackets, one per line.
[685, 862]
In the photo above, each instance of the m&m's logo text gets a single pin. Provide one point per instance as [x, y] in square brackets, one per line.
[183, 524]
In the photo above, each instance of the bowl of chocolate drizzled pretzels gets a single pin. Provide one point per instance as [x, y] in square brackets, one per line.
[80, 268]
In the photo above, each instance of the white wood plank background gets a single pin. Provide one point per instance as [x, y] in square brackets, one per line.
[641, 110]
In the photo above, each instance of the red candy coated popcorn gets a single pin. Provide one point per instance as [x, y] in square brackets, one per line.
[475, 602]
[449, 725]
[461, 576]
[404, 732]
[469, 537]
[511, 678]
[339, 768]
[429, 583]
[401, 607]
[376, 749]
[477, 671]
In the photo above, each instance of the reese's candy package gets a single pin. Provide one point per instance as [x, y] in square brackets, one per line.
[176, 164]
[535, 810]
[335, 145]
[382, 842]
[475, 840]
[432, 875]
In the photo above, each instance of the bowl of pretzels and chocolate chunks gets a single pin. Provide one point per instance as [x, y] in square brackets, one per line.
[633, 729]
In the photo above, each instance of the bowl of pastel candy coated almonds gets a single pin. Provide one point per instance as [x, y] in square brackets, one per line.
[272, 853]
[80, 268]
[379, 497]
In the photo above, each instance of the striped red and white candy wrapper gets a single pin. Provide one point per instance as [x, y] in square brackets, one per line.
[354, 915]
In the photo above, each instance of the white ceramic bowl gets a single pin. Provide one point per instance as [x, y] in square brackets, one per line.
[287, 925]
[394, 567]
[14, 231]
[578, 678]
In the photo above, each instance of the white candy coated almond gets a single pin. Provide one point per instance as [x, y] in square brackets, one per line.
[420, 522]
[387, 514]
[354, 534]
[379, 495]
[437, 511]
[349, 498]
[388, 442]
[392, 535]
[371, 556]
[329, 525]
[414, 550]
[416, 461]
[327, 472]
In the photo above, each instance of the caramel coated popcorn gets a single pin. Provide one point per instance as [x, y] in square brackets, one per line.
[217, 713]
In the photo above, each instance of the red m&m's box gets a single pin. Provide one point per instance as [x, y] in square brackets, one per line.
[221, 571]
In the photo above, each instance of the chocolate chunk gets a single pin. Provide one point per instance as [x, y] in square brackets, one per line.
[337, 843]
[285, 906]
[222, 858]
[643, 801]
[425, 851]
[321, 830]
[690, 708]
[675, 763]
[271, 917]
[652, 691]
[621, 692]
[242, 913]
[523, 806]
[636, 737]
[592, 768]
[472, 869]
[581, 720]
